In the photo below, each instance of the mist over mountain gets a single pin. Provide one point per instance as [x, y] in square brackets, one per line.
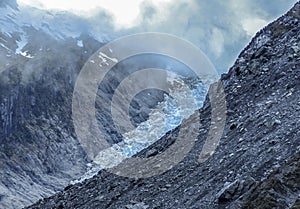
[220, 29]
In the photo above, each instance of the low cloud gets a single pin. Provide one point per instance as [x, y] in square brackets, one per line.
[220, 28]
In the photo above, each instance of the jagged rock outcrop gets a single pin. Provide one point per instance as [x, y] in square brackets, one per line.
[256, 164]
[280, 189]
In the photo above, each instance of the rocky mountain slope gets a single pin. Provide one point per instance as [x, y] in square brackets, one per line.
[256, 164]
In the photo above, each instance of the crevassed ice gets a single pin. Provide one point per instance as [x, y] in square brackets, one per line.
[165, 117]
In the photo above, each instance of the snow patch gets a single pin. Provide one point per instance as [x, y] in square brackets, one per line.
[5, 47]
[102, 55]
[104, 59]
[21, 44]
[80, 43]
[26, 54]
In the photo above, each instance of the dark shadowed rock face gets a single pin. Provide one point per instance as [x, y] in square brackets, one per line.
[278, 190]
[256, 164]
[39, 150]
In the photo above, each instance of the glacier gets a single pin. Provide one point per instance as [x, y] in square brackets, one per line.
[165, 117]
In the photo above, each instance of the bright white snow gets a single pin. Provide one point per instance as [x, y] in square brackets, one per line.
[80, 43]
[21, 44]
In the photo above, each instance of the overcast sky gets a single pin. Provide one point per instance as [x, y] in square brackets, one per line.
[221, 28]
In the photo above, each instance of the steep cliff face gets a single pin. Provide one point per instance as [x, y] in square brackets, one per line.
[39, 150]
[256, 163]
